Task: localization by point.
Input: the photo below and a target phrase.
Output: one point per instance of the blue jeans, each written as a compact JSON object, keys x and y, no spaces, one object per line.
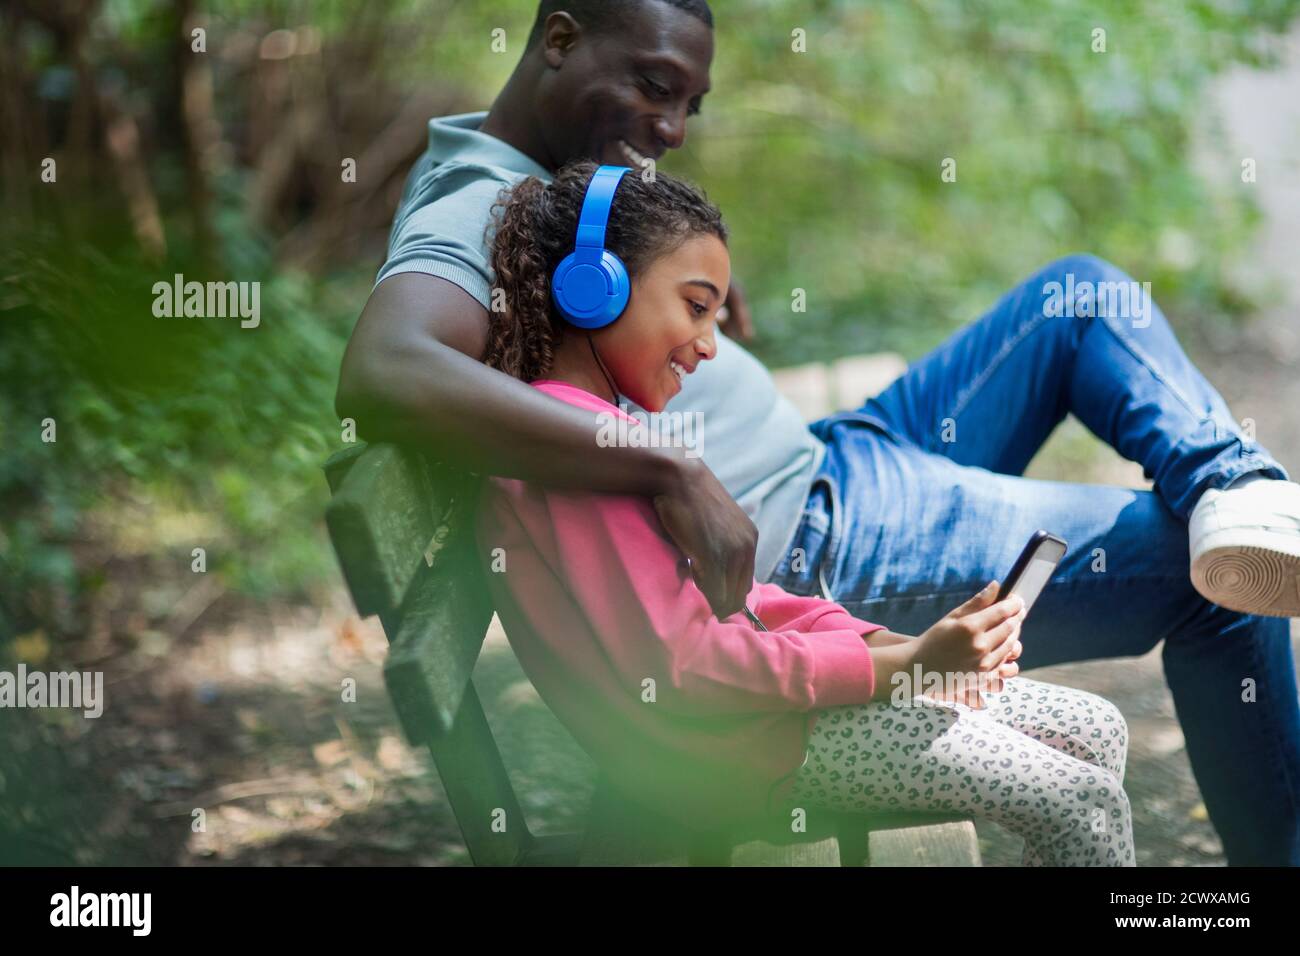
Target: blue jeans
{"x":919,"y":504}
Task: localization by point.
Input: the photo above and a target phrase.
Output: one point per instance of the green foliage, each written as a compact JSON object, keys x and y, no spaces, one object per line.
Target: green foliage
{"x":196,"y":416}
{"x":827,"y":163}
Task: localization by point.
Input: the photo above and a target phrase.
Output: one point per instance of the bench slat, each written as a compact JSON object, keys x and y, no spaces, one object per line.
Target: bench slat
{"x":944,"y":844}
{"x":478,"y":788}
{"x":403,"y":530}
{"x":381,"y":519}
{"x":825,"y":852}
{"x":437,"y":639}
{"x":340,"y":463}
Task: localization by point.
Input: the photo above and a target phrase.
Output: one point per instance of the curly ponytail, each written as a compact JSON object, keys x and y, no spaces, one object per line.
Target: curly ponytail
{"x":534,"y":229}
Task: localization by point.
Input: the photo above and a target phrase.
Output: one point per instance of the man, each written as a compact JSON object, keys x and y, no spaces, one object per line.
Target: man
{"x":900,"y":509}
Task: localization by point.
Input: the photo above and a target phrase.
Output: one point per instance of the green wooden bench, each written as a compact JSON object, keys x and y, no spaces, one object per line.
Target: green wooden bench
{"x":402,"y":528}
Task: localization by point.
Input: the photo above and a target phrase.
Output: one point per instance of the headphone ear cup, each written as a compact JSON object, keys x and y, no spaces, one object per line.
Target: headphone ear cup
{"x":591,"y":295}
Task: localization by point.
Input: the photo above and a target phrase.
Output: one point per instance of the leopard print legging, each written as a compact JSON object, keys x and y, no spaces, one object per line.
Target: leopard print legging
{"x":1042,"y":760}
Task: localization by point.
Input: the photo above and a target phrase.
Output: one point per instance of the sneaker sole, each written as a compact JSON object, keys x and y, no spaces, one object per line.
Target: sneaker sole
{"x":1251,"y":580}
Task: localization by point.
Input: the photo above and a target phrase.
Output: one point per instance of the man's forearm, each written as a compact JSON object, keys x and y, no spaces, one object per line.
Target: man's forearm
{"x":461,"y":410}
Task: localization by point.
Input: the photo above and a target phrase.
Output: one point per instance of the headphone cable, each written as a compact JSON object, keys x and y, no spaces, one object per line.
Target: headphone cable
{"x":608,"y":379}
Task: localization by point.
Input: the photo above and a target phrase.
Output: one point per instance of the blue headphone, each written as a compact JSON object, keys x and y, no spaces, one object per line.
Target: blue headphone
{"x":591,"y":285}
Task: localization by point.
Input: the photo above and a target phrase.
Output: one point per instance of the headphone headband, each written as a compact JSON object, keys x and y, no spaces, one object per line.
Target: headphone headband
{"x":596,"y":206}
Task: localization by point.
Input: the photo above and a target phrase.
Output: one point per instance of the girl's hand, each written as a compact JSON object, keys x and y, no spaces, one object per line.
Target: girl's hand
{"x":972,"y":697}
{"x":980,"y":639}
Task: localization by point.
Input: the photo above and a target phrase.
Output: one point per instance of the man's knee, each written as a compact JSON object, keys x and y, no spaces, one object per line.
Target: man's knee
{"x":1085,"y":267}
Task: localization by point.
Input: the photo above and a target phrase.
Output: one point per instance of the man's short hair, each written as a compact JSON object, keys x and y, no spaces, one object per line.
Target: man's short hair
{"x":602,"y":15}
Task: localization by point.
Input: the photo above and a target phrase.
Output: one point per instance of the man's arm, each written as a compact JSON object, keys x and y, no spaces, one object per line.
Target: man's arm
{"x":413,"y":373}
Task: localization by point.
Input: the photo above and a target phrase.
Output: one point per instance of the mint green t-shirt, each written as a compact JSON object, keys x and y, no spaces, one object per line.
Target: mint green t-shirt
{"x":750,"y":436}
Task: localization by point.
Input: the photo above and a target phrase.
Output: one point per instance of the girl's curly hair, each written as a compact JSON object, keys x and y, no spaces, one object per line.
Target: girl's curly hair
{"x":535,"y":227}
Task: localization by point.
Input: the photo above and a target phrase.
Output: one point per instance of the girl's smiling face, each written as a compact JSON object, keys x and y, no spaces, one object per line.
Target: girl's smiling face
{"x":668,"y":326}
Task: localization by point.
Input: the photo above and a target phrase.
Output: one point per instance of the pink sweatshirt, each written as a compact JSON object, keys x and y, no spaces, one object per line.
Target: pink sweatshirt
{"x":707,"y":719}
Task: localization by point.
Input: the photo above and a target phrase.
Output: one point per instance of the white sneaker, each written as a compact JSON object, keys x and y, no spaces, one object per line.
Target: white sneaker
{"x":1245,"y":543}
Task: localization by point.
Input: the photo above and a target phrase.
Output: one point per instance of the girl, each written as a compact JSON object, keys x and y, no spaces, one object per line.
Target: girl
{"x":714,"y":721}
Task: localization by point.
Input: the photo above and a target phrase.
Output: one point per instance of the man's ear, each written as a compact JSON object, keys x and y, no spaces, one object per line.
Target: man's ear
{"x":559,"y":36}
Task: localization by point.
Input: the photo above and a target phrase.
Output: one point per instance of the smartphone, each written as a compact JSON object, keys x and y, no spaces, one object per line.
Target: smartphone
{"x":1033,"y":569}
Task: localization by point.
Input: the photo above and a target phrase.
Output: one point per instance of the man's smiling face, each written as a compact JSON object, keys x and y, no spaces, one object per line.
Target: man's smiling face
{"x":620,"y":97}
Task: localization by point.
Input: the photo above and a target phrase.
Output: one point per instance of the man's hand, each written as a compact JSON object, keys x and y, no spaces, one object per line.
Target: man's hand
{"x":714,"y":532}
{"x":737,"y":321}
